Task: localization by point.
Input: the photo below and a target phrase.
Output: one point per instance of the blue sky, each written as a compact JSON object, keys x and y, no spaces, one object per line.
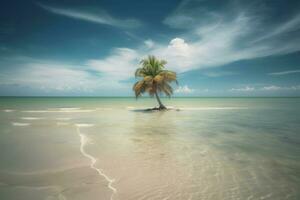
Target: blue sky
{"x":92,"y":48}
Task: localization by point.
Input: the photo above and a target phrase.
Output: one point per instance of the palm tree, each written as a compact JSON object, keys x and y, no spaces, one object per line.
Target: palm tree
{"x":154,"y":79}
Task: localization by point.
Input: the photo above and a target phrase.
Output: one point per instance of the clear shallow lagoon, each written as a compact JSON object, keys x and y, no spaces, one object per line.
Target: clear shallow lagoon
{"x":106,"y":148}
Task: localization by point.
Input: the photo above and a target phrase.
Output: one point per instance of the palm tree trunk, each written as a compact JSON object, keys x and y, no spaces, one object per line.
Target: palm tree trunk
{"x":161,"y":106}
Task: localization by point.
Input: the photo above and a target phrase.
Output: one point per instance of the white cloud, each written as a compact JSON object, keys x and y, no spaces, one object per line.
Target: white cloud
{"x":48,"y":77}
{"x":243,"y":89}
{"x":285,"y":27}
{"x":184,"y":90}
{"x":213,"y":42}
{"x":206,"y":42}
{"x":267,"y":88}
{"x":296,"y":87}
{"x":119,"y":65}
{"x":215,"y":74}
{"x":99,"y":17}
{"x":178,"y":53}
{"x":179,"y":46}
{"x":224,"y":37}
{"x":284,"y":72}
{"x":276,"y":88}
{"x":61,"y":78}
{"x":218,"y":44}
{"x":271,"y":88}
{"x":95,"y":76}
{"x":149,"y":43}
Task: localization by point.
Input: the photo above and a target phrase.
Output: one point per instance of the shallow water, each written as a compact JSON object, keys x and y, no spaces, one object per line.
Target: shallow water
{"x":107,"y":148}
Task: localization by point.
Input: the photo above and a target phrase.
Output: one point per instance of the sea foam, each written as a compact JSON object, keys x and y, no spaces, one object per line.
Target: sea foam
{"x":31,"y":118}
{"x":84,"y":125}
{"x":83,"y":141}
{"x":20,"y":124}
{"x":69,"y":108}
{"x":8,"y":110}
{"x":58,"y":111}
{"x":212,"y":108}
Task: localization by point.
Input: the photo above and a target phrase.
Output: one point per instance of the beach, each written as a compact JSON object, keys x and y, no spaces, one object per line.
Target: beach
{"x":109,"y":148}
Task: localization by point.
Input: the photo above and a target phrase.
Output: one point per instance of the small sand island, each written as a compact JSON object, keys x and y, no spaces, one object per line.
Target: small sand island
{"x":154,"y":79}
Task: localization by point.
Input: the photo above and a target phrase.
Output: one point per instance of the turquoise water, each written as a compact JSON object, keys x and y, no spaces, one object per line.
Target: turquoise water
{"x":108,"y":148}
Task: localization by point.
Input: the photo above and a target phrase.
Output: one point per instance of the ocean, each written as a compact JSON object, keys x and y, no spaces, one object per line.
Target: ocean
{"x":109,"y":148}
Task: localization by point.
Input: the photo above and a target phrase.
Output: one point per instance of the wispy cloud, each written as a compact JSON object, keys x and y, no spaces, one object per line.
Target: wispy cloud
{"x":286,"y":27}
{"x":243,"y":89}
{"x":57,"y":77}
{"x":276,"y":88}
{"x":219,"y":43}
{"x":267,"y":88}
{"x":215,"y":38}
{"x":119,"y":65}
{"x":99,"y":17}
{"x":149,"y":43}
{"x":271,"y":88}
{"x":284,"y":72}
{"x":215,"y":74}
{"x":208,"y":38}
{"x":60,"y":78}
{"x":184,"y":90}
{"x":221,"y":38}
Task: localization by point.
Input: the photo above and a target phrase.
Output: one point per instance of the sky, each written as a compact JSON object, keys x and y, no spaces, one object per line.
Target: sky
{"x":92,"y":48}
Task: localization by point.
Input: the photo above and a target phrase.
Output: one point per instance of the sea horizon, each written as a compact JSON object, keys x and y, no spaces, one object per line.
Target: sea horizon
{"x":142,"y":97}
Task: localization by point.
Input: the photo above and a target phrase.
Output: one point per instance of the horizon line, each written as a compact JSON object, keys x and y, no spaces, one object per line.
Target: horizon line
{"x":44,"y":96}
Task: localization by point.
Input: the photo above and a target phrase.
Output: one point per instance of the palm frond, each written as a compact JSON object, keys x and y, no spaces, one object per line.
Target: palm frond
{"x":139,"y":72}
{"x":148,"y":79}
{"x":154,"y":77}
{"x":167,"y":89}
{"x":169,"y":75}
{"x":158,"y":79}
{"x":139,"y":88}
